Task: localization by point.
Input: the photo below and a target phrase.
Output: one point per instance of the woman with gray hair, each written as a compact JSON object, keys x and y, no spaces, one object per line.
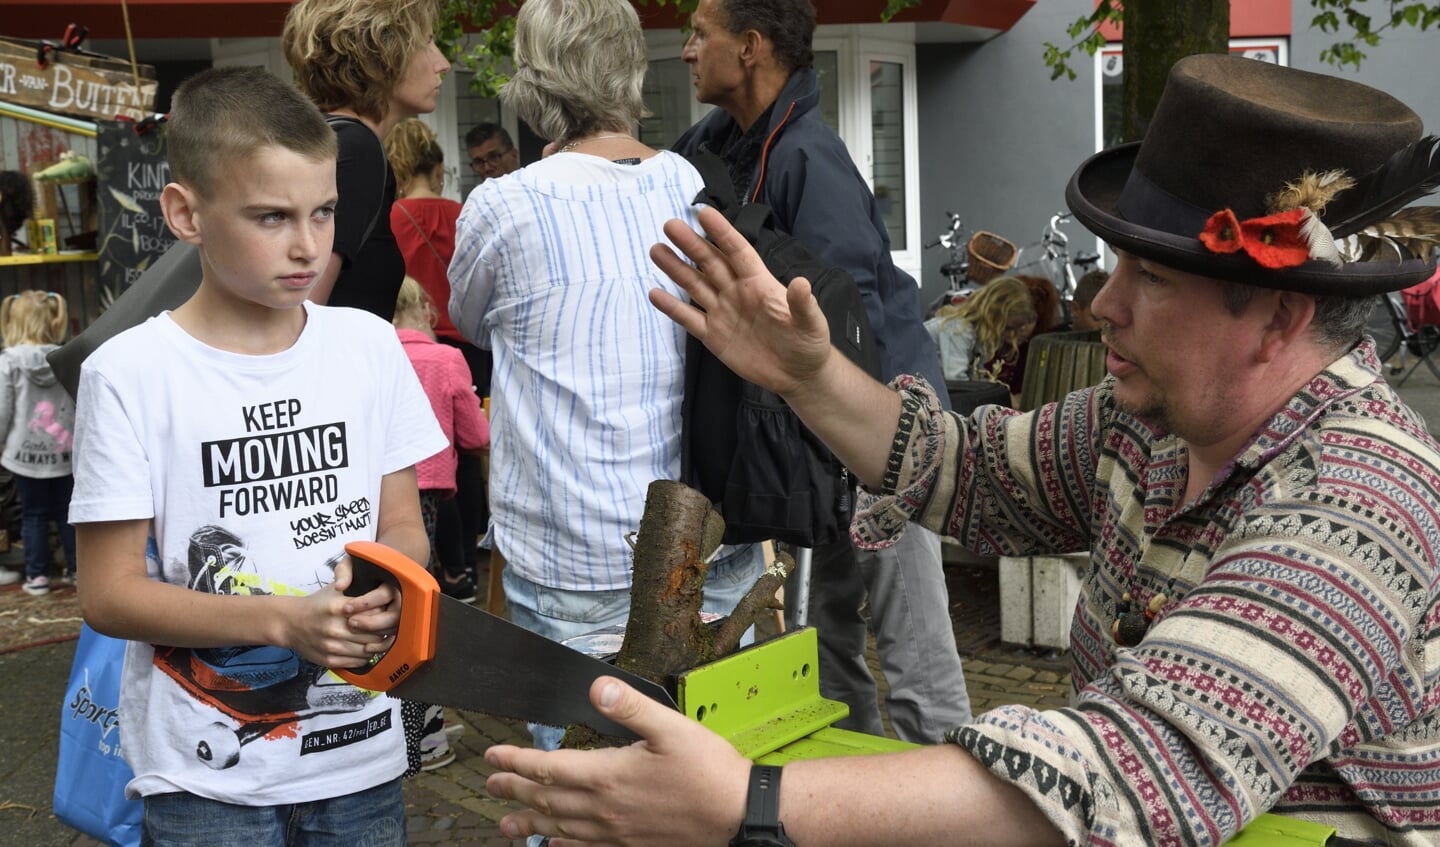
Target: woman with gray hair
{"x":551,"y":272}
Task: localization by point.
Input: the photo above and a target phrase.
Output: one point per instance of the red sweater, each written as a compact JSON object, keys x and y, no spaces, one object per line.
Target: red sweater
{"x":429,"y":262}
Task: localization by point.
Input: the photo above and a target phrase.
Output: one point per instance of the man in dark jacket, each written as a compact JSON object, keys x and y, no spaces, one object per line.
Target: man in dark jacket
{"x":753,"y":59}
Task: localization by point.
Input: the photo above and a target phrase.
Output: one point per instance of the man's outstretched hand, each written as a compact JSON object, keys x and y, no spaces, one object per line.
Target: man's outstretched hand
{"x":771,"y":335}
{"x":681,"y":784}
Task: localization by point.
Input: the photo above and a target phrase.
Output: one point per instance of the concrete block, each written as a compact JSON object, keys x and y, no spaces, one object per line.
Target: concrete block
{"x":1016,"y":610}
{"x":1054,"y":590}
{"x":1037,"y":598}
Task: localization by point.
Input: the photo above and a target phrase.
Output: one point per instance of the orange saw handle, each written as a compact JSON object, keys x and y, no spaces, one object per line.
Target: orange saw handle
{"x":374,"y":564}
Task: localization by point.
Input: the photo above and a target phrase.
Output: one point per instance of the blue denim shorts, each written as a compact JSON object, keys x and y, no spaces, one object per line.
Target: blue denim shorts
{"x":374,"y":817}
{"x":558,"y":614}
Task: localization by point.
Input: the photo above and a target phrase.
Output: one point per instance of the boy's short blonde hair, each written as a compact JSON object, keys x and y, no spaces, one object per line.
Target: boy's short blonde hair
{"x":224,"y":115}
{"x":350,"y":54}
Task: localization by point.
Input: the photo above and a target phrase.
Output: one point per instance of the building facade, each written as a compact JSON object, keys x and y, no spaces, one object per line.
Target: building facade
{"x":950,"y":109}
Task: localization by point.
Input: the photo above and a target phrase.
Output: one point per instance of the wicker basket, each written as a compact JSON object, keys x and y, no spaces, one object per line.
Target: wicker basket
{"x":990,"y":256}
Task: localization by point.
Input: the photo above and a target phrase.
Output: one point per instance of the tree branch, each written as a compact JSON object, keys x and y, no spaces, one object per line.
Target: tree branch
{"x":760,"y":599}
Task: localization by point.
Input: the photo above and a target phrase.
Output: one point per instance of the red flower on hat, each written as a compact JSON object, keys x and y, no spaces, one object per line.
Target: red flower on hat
{"x":1222,"y":232}
{"x":1273,"y":241}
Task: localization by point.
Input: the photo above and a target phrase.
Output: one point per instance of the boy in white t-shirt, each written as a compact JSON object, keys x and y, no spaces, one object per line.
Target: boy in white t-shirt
{"x":224,"y":454}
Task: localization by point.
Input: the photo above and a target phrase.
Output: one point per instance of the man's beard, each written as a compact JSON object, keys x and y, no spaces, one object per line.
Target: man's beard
{"x":1152,"y":410}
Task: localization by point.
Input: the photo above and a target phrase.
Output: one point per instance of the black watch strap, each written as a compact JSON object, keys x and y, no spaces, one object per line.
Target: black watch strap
{"x":762,"y":827}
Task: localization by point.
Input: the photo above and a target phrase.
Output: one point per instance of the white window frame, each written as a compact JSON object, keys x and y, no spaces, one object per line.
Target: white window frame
{"x":856,"y":47}
{"x":907,"y":255}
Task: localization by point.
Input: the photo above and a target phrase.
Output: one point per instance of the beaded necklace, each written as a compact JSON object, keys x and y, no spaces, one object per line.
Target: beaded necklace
{"x":577,"y":142}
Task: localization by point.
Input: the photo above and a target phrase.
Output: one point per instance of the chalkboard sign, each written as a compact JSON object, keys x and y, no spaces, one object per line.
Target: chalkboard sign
{"x":131,"y":172}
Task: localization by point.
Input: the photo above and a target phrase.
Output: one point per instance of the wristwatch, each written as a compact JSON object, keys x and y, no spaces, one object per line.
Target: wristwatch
{"x":762,"y":827}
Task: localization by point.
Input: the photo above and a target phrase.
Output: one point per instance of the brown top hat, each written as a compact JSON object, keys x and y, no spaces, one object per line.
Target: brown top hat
{"x":1230,"y":133}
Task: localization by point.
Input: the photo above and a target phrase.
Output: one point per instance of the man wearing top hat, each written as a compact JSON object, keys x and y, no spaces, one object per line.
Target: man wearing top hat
{"x":1259,"y":630}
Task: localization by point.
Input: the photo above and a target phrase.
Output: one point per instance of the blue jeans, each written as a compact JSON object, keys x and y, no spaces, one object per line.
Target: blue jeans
{"x":374,"y":817}
{"x":41,"y":501}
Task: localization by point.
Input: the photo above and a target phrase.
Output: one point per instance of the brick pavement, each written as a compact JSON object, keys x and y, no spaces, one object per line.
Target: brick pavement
{"x":450,"y":806}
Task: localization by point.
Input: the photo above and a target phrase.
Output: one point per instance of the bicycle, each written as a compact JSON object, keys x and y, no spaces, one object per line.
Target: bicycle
{"x":957,"y":270}
{"x":1051,"y":256}
{"x":1395,"y":336}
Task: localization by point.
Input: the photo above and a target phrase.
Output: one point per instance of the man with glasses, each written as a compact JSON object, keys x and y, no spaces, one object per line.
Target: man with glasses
{"x":492,"y":153}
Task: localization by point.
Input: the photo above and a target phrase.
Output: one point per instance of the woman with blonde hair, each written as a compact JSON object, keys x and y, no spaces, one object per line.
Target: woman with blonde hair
{"x":980,"y":337}
{"x":422,"y":221}
{"x":370,"y":63}
{"x":551,"y":273}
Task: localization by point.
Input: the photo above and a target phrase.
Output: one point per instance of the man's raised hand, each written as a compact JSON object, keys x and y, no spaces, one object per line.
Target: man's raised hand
{"x":773,"y":336}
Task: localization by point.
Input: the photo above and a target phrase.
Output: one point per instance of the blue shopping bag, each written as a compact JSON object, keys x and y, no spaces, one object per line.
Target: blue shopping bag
{"x":91,"y":774}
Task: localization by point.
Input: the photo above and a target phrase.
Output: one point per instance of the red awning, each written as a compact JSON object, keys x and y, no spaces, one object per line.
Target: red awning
{"x":1248,"y":19}
{"x":47,"y":19}
{"x":36,"y":19}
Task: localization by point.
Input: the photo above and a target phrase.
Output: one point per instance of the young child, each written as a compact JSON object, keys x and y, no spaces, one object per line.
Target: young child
{"x":446,"y":380}
{"x":37,"y":417}
{"x":225,"y":453}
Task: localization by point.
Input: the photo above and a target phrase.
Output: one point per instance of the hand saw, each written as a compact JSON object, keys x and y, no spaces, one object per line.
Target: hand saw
{"x":450,"y":653}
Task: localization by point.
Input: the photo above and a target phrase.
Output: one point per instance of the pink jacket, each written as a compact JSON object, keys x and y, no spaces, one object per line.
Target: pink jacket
{"x":446,"y":379}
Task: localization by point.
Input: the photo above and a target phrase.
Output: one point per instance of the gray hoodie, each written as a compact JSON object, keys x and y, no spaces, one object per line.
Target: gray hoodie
{"x":36,"y":414}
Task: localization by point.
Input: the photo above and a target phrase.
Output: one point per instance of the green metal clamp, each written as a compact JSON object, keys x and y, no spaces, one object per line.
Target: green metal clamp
{"x":766,"y":701}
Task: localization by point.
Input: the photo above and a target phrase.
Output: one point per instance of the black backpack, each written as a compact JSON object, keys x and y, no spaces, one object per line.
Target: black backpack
{"x":740,"y":445}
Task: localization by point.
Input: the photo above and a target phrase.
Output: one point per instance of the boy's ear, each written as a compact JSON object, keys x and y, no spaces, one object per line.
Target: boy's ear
{"x":182,"y":213}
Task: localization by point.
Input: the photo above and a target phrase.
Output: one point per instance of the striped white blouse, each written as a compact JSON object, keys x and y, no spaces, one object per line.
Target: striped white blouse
{"x":551,"y":272}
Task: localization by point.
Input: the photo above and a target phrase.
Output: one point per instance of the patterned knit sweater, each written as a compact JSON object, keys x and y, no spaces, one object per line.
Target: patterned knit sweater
{"x":1296,"y":667}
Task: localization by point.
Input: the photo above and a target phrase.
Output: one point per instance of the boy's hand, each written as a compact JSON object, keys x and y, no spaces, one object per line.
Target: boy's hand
{"x":376,"y":611}
{"x":337,"y":631}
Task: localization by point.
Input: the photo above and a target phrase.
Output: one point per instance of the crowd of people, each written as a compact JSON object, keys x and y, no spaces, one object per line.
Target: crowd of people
{"x":1259,"y":629}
